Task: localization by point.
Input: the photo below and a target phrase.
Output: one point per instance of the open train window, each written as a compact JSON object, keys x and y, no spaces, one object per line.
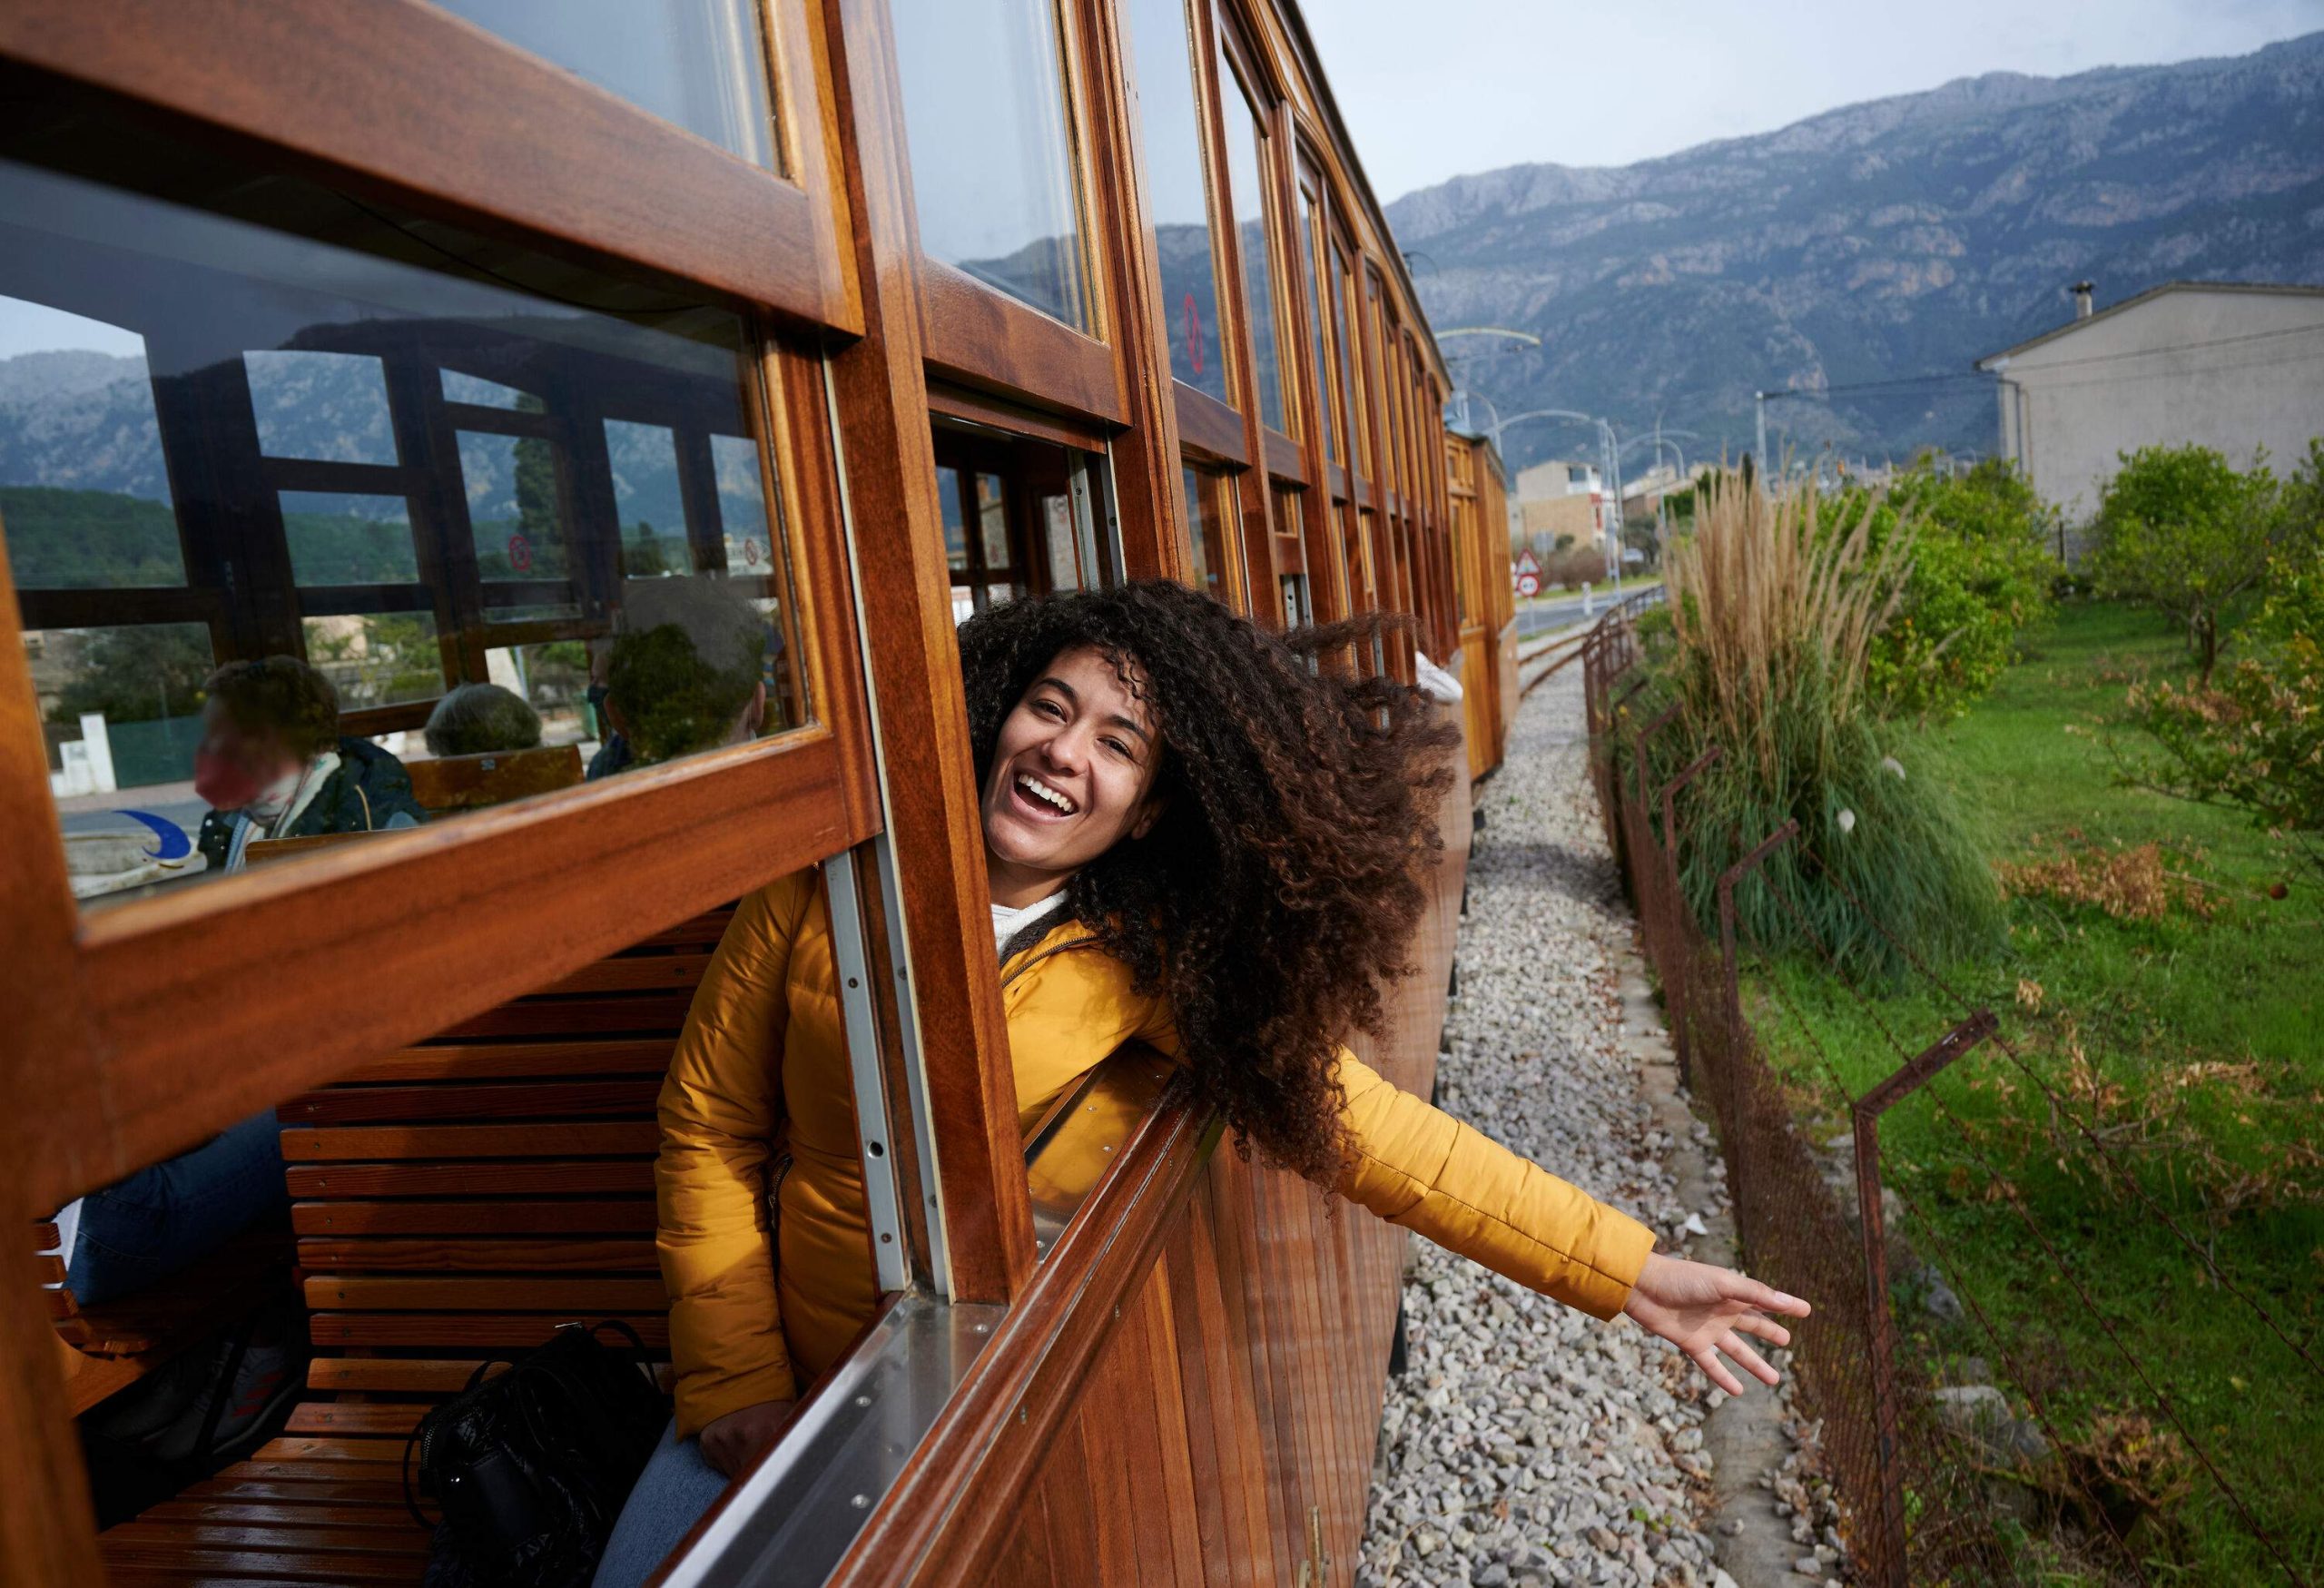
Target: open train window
{"x":1021,"y":516}
{"x":337,"y":523}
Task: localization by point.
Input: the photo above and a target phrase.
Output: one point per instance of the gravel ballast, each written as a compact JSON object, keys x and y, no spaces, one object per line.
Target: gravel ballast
{"x":1526,"y":1443}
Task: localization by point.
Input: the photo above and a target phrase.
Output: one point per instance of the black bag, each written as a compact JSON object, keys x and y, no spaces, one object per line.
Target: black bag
{"x":530,"y":1468}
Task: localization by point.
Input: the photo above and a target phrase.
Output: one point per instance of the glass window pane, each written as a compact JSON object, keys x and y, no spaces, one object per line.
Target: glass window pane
{"x":742,"y":505}
{"x":1310,"y":240}
{"x":482,"y":393}
{"x":340,"y":539}
{"x":1344,"y":307}
{"x":993,"y":165}
{"x":517,"y":526}
{"x":993,"y":520}
{"x":1064,"y":544}
{"x":331,"y":407}
{"x":956,"y":530}
{"x":85,"y":494}
{"x":1170,"y":112}
{"x":647,"y":499}
{"x":1246,"y":137}
{"x":701,"y":63}
{"x":1210,"y":510}
{"x":326,"y":626}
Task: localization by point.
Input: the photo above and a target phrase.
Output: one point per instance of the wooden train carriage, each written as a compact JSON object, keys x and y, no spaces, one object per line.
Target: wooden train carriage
{"x":1487,"y":599}
{"x":445,"y":344}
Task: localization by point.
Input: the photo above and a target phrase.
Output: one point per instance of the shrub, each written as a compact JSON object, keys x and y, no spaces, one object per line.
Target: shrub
{"x":1981,"y":572}
{"x":1776,"y":605}
{"x":2256,"y":742}
{"x":2183,"y":531}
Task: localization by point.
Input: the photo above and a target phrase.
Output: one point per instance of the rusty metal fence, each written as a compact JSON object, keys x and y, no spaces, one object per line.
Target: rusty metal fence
{"x":1917,"y":1507}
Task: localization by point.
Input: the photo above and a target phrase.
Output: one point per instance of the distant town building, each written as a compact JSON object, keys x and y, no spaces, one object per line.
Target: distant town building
{"x":1557,"y":498}
{"x":2237,"y":366}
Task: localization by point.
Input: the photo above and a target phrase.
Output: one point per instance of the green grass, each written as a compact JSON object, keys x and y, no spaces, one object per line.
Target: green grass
{"x":2194,"y":1043}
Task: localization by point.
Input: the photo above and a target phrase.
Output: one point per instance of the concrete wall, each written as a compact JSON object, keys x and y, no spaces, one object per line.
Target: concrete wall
{"x":2232,"y":370}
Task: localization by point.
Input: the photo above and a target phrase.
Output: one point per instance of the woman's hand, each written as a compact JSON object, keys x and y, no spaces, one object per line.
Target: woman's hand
{"x":732,"y":1443}
{"x":1704,"y":1311}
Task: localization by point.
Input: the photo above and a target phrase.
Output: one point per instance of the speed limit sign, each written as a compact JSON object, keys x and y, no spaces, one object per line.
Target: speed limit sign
{"x":1529,"y":585}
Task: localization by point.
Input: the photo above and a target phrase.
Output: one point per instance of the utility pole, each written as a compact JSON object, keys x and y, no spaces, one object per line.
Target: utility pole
{"x":1759,"y":453}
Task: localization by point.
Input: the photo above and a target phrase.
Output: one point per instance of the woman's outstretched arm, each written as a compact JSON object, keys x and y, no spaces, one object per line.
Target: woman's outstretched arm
{"x":1419,"y":1167}
{"x":720,"y":1108}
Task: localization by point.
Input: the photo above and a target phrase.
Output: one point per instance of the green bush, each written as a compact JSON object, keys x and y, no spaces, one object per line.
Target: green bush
{"x":1981,"y":572}
{"x":2183,"y":531}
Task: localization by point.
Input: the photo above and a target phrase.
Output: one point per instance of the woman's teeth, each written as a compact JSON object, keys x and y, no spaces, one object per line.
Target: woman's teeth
{"x":1044,"y":794}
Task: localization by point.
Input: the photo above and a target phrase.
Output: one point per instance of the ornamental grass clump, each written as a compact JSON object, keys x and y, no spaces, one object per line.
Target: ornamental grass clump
{"x":1774,"y":605}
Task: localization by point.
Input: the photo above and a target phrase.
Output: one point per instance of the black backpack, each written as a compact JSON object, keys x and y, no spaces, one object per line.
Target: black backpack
{"x":530,"y":1468}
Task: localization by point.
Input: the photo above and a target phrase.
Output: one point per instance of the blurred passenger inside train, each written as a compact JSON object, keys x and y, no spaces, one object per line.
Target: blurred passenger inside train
{"x":1193,"y":841}
{"x":481,"y":719}
{"x":272,"y":763}
{"x":684,"y":672}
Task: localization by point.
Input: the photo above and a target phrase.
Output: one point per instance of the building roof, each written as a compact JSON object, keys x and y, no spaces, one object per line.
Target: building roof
{"x":2070,"y":327}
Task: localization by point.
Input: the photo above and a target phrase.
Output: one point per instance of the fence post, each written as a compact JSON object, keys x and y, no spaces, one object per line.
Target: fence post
{"x":1637,"y":752}
{"x":1865,"y":1121}
{"x":1692,"y":770}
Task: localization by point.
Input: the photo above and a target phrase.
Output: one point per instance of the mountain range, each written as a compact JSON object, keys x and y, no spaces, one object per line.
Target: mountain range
{"x":1881,"y":242}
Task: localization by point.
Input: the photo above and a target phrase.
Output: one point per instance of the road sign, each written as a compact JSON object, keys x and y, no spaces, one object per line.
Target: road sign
{"x":1529,"y":584}
{"x":1526,"y":565}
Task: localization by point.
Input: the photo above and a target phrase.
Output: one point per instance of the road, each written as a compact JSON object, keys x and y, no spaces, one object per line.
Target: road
{"x":1557,"y":613}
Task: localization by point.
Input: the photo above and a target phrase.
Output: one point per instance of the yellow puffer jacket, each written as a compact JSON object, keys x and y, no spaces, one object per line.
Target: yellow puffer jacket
{"x":763,"y":1057}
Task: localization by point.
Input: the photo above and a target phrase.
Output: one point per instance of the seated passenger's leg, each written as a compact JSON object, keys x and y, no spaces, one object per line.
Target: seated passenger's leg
{"x":672,"y":1493}
{"x":176,"y":1212}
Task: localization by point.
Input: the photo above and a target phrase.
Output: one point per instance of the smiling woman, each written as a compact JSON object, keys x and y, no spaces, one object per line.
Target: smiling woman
{"x":1229,"y":847}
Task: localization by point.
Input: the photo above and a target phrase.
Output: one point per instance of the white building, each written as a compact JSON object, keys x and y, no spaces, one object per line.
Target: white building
{"x":1562,"y":497}
{"x":2230,"y":366}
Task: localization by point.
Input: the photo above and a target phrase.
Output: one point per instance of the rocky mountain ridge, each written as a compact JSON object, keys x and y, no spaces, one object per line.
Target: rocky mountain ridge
{"x":1897,"y":237}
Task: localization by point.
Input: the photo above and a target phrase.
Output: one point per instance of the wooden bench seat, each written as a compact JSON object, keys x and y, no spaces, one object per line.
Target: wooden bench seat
{"x":107,"y":1347}
{"x":451,"y":1202}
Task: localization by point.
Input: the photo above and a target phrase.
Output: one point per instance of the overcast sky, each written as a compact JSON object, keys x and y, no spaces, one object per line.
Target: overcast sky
{"x":1447,"y":87}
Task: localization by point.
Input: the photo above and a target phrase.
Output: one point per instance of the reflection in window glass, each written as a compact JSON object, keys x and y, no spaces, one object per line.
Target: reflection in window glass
{"x":1343,"y":306}
{"x":992,"y":166}
{"x":377,"y":658}
{"x":1064,"y":552}
{"x":647,"y":499}
{"x":1169,"y":110}
{"x":742,"y":505}
{"x":339,"y":538}
{"x":517,"y":523}
{"x":1310,"y":240}
{"x":701,"y":63}
{"x":399,"y":570}
{"x":329,"y":406}
{"x":1247,"y":190}
{"x":482,"y":393}
{"x":1298,"y":606}
{"x":85,"y":494}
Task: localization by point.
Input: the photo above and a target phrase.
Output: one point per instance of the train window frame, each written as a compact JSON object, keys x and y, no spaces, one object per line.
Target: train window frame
{"x":136,"y":987}
{"x":316,"y":80}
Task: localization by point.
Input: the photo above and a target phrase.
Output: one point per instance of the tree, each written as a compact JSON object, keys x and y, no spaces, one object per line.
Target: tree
{"x":137,"y":674}
{"x":2183,"y":531}
{"x":2255,"y":743}
{"x":1981,"y":574}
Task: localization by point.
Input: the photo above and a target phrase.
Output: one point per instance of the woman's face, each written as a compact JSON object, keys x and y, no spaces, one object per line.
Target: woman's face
{"x":1071,"y":775}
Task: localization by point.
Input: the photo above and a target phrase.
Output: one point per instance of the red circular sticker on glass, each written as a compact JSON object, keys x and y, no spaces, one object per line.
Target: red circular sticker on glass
{"x":750,"y":552}
{"x":520,"y":553}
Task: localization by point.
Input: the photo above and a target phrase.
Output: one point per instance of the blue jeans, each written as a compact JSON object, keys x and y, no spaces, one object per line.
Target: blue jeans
{"x":674,"y":1492}
{"x":175,"y":1213}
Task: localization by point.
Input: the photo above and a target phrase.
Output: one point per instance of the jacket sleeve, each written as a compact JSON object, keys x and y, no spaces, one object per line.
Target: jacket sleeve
{"x":1419,"y":1167}
{"x":720,"y":1108}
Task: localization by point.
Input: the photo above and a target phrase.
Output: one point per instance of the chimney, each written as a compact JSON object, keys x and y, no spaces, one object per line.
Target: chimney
{"x":2081,"y":292}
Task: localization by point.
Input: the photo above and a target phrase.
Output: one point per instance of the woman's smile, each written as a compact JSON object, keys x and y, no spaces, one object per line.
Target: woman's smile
{"x":1042,"y":800}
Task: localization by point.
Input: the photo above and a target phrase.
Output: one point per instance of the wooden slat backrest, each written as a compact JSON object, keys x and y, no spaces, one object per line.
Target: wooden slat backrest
{"x":460,"y":1199}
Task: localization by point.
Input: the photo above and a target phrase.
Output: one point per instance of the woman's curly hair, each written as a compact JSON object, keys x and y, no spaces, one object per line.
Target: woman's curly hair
{"x":1276,"y":895}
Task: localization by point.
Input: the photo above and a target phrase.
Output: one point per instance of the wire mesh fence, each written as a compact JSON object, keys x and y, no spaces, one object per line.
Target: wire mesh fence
{"x":1938,"y":1484}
